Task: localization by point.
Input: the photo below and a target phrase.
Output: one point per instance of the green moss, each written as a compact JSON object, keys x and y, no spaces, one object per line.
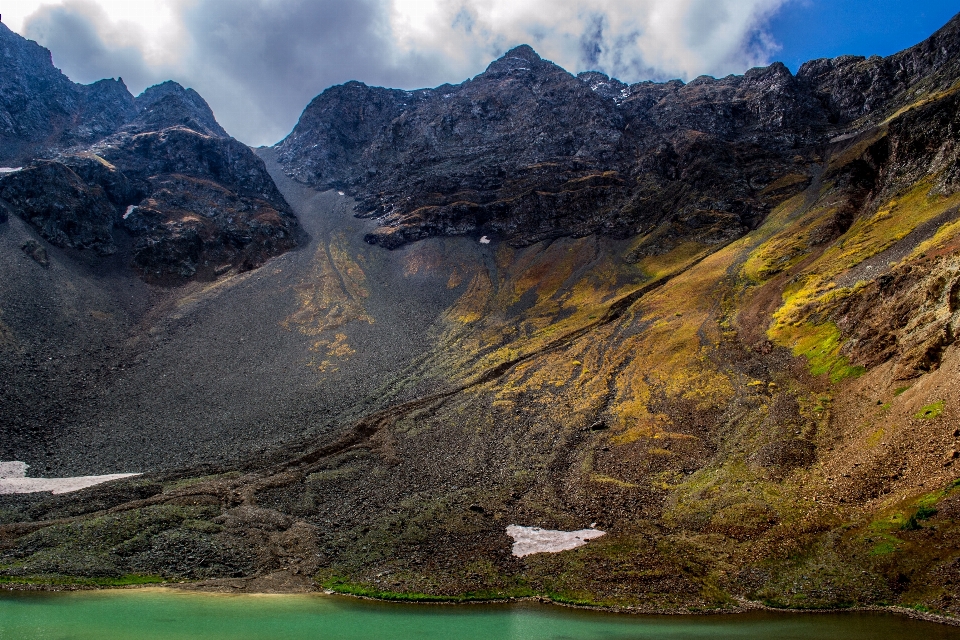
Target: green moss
{"x":820,"y":345}
{"x":931,"y":411}
{"x":58,"y":580}
{"x":185,"y":483}
{"x":575,"y":599}
{"x":885,"y":548}
{"x":345,"y":586}
{"x":900,"y":391}
{"x":922,"y":513}
{"x":202,"y":526}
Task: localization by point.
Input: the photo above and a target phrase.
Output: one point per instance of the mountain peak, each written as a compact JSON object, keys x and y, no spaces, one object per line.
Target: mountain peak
{"x":521,"y":58}
{"x":524,"y":52}
{"x":169,"y":103}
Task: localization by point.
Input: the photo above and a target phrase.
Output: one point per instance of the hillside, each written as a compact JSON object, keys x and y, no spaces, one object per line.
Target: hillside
{"x":716,"y":320}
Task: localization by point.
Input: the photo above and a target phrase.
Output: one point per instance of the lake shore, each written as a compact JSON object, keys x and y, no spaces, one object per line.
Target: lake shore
{"x":289,"y":585}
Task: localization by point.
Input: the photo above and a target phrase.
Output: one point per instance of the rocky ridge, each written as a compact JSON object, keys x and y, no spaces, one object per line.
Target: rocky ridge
{"x":158,"y":167}
{"x":41,"y":110}
{"x":526,"y":151}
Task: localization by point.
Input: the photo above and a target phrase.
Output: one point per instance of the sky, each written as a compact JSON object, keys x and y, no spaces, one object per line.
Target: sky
{"x":259,"y":62}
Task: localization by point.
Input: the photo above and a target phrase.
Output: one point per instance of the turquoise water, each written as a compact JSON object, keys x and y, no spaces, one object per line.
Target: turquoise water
{"x":163,"y":615}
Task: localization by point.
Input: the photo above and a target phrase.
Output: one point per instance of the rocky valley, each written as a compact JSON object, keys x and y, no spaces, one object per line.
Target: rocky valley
{"x":716,"y":321}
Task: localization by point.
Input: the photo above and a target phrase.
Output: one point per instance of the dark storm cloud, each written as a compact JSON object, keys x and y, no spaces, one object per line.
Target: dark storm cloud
{"x":264,"y":60}
{"x":591,"y":42}
{"x":257,"y":62}
{"x":80,"y":50}
{"x":260,"y":62}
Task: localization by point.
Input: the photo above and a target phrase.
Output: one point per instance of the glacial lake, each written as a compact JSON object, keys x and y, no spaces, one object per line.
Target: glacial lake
{"x":161,"y":615}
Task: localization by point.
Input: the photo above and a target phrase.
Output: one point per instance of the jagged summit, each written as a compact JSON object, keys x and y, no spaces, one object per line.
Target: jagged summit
{"x":159,"y":166}
{"x":498,"y":153}
{"x":520,"y":59}
{"x":524,"y":52}
{"x":40,"y":107}
{"x":169,"y":104}
{"x":42,"y":112}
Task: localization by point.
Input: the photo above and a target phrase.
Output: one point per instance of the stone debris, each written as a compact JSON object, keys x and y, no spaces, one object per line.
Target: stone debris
{"x":13,"y":479}
{"x":530,"y":540}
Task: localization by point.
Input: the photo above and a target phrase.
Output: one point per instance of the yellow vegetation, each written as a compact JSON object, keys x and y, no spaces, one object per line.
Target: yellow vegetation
{"x":330,"y":298}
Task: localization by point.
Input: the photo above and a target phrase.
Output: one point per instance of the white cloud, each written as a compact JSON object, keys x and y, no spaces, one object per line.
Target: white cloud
{"x":91,"y":40}
{"x":258,"y":62}
{"x":153,"y":26}
{"x":632,"y":40}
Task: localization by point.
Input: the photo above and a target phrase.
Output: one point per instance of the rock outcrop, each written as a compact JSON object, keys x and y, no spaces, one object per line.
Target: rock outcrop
{"x":526,"y":151}
{"x":158,"y":166}
{"x":42,"y":111}
{"x":67,"y":211}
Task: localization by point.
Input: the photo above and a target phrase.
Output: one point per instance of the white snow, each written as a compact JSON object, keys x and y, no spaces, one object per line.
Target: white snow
{"x":484,"y":240}
{"x":13,"y":469}
{"x":13,"y":479}
{"x":9,"y":170}
{"x":339,"y":193}
{"x":130,"y":210}
{"x":530,"y":540}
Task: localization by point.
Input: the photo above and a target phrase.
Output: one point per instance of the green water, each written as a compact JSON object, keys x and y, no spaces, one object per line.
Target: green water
{"x":162,"y":615}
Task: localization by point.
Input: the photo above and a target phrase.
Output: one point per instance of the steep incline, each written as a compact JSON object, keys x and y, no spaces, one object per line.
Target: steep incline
{"x":754,"y":391}
{"x":158,"y":190}
{"x":41,"y":110}
{"x":525,"y":151}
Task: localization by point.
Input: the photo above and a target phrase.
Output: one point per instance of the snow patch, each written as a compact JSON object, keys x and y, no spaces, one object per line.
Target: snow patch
{"x":4,"y":170}
{"x":530,"y":540}
{"x":13,"y":470}
{"x":339,"y":193}
{"x":484,"y":240}
{"x":130,"y":210}
{"x":13,"y":479}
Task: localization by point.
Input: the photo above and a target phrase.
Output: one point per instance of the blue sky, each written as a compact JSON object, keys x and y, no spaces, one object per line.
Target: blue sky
{"x":808,"y":29}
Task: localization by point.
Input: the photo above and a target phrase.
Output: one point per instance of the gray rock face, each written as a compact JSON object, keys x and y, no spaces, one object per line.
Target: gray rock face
{"x":526,"y":151}
{"x":66,"y":211}
{"x":851,"y":87}
{"x":158,"y":166}
{"x":41,"y":109}
{"x":170,"y":105}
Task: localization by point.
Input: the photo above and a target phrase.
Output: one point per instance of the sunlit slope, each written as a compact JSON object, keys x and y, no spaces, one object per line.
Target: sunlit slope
{"x":717,"y":409}
{"x":774,"y":418}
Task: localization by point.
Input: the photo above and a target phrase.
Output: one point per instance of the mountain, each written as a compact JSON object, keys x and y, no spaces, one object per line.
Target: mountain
{"x":716,"y":320}
{"x":41,"y":109}
{"x":159,"y":167}
{"x":527,"y":152}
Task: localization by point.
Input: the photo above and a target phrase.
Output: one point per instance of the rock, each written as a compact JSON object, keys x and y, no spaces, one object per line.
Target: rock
{"x":170,"y":105}
{"x":36,"y":251}
{"x":189,"y":225}
{"x":531,"y":152}
{"x":209,"y":202}
{"x":204,"y":201}
{"x":42,"y":110}
{"x":65,"y":210}
{"x":851,"y":87}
